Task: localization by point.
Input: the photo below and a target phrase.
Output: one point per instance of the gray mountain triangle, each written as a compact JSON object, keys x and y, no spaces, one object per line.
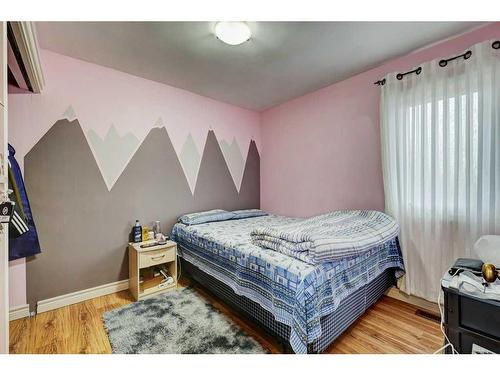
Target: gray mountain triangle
{"x":70,"y":205}
{"x":153,"y":185}
{"x":215,"y":187}
{"x":250,"y":184}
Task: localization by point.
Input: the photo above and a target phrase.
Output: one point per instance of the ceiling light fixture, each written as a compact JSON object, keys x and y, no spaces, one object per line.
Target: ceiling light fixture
{"x":232,"y":33}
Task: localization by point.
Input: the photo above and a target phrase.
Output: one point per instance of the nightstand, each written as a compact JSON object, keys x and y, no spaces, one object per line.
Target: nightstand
{"x":145,"y":262}
{"x":471,"y":323}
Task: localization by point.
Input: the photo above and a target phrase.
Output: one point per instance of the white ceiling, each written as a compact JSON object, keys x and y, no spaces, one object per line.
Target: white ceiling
{"x":283,"y":60}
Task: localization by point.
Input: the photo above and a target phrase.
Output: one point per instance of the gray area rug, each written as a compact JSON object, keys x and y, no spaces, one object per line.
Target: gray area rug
{"x":179,"y":322}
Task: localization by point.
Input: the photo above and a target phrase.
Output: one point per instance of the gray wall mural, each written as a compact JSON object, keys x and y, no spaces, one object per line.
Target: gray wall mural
{"x":84,"y":228}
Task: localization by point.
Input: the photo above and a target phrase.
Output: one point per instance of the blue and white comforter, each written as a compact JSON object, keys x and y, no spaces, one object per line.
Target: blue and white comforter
{"x":297,"y":293}
{"x":327,"y":237}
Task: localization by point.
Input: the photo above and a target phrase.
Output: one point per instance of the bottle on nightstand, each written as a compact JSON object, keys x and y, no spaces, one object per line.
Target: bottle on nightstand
{"x":137,"y":232}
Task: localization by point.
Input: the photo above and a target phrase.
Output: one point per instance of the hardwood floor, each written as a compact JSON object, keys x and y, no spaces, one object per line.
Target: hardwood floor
{"x":390,"y":326}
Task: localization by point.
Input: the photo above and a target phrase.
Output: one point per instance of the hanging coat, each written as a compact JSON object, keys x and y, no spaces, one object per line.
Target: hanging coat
{"x":18,"y":222}
{"x":26,"y":244}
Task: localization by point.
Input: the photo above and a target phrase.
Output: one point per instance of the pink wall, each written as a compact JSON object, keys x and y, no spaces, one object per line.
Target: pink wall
{"x":103,"y":97}
{"x":321,"y":152}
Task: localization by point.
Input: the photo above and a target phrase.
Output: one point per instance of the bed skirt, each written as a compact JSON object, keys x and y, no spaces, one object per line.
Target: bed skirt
{"x":332,"y":325}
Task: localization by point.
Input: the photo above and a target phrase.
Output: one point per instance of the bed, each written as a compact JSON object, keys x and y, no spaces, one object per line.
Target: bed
{"x":306,"y":306}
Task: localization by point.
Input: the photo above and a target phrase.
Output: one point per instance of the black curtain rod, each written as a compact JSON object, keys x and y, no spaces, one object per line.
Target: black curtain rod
{"x":417,"y":71}
{"x":399,"y":76}
{"x":466,"y":56}
{"x":442,"y":63}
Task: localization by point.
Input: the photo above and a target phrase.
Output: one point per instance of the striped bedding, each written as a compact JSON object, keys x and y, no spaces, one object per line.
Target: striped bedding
{"x":328,"y":237}
{"x":297,"y":293}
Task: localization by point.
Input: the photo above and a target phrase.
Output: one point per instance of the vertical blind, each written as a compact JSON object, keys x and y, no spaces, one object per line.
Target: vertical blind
{"x":441,"y":162}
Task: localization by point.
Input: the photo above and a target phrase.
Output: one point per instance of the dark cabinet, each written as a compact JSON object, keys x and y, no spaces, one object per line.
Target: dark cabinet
{"x":471,"y":322}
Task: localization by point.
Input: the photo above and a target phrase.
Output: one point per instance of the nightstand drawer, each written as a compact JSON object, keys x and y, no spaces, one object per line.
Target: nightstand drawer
{"x":155,"y":257}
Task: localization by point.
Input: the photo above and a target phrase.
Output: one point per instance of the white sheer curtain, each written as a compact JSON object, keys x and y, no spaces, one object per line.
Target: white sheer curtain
{"x":441,"y":162}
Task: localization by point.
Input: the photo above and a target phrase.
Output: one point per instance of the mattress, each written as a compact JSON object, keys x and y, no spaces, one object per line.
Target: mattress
{"x":332,"y":326}
{"x":297,"y":294}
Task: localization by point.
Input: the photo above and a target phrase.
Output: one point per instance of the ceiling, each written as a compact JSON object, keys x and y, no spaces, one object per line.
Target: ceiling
{"x":283,"y":60}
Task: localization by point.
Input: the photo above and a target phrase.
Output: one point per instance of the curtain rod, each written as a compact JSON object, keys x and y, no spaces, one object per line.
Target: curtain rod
{"x":417,"y":71}
{"x":466,"y":56}
{"x":442,"y":63}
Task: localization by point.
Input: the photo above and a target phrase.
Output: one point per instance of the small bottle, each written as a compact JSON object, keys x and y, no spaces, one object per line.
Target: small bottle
{"x":145,"y":233}
{"x":156,"y":227}
{"x":137,"y":232}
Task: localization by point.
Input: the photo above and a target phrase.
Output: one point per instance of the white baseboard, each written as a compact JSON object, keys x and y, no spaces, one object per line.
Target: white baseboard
{"x":80,"y":296}
{"x":412,"y":300}
{"x":19,"y":312}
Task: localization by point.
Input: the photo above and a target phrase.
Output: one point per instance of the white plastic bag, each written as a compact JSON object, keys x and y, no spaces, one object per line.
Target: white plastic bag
{"x":487,"y":248}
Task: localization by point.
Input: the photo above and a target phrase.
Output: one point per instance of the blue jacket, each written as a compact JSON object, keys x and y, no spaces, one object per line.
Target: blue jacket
{"x":27,"y":244}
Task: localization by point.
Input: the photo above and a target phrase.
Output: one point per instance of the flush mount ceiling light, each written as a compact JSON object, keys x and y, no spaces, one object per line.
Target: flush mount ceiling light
{"x":232,"y":33}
